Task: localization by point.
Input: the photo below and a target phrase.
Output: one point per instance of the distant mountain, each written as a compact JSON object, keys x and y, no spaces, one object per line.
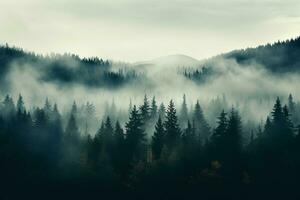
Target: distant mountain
{"x":177,"y":60}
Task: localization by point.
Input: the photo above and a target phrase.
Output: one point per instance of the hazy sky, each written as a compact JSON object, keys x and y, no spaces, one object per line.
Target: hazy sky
{"x":133,"y":30}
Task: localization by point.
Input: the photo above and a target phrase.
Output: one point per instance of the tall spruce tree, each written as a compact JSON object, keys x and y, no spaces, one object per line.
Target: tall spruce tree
{"x":201,"y":125}
{"x":162,"y":112}
{"x":135,"y":136}
{"x":173,"y":131}
{"x":218,"y":139}
{"x":183,"y":115}
{"x":72,"y":130}
{"x":153,"y":113}
{"x":158,"y":139}
{"x":20,"y":104}
{"x":145,"y":110}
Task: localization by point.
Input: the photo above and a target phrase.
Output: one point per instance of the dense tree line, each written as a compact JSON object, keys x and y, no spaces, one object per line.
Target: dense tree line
{"x":277,"y":58}
{"x":184,"y":157}
{"x":66,"y":68}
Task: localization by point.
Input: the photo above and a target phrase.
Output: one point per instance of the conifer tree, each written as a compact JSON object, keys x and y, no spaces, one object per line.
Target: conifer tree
{"x":162,"y":112}
{"x":291,"y":104}
{"x":201,"y":125}
{"x":183,"y":117}
{"x":74,"y":110}
{"x":20,"y":104}
{"x":153,"y":109}
{"x":158,"y":139}
{"x":135,"y":136}
{"x":47,"y":107}
{"x":145,"y":110}
{"x":218,"y":139}
{"x":119,"y":135}
{"x":72,"y":130}
{"x":234,"y":132}
{"x":172,"y":129}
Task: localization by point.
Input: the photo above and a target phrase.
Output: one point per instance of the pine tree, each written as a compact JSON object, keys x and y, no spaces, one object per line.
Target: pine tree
{"x":234,"y":132}
{"x":72,"y":130}
{"x":183,"y":117}
{"x":288,"y":124}
{"x":173,"y":132}
{"x":268,"y":127}
{"x":291,"y":104}
{"x":162,"y":112}
{"x":74,"y":110}
{"x":189,"y":140}
{"x":201,"y":125}
{"x":158,"y":139}
{"x":47,"y":107}
{"x":20,"y":104}
{"x":153,"y":109}
{"x":145,"y":110}
{"x":218,"y":139}
{"x":119,"y":135}
{"x":9,"y":108}
{"x":135,"y":136}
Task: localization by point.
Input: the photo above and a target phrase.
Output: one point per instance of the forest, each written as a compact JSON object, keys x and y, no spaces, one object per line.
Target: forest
{"x":227,"y":127}
{"x":156,"y":151}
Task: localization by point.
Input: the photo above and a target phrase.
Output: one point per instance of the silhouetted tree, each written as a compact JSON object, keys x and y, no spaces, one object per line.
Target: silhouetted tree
{"x":183,"y":116}
{"x":172,"y":129}
{"x":201,"y":125}
{"x":135,"y":136}
{"x":158,"y":139}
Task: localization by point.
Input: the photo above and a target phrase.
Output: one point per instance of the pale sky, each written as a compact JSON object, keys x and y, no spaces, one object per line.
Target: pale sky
{"x":134,"y":30}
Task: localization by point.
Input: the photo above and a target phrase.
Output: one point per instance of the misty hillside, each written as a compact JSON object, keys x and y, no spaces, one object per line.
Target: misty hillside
{"x":282,"y":56}
{"x":63,"y":69}
{"x":177,"y":60}
{"x":275,"y":59}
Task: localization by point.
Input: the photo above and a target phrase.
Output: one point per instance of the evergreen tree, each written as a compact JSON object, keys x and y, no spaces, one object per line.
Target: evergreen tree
{"x":119,"y":135}
{"x":135,"y":136}
{"x":183,"y":117}
{"x":291,"y":104}
{"x":218,"y":139}
{"x":189,"y":140}
{"x":47,"y":107}
{"x":158,"y":139}
{"x":288,"y":124}
{"x":173,"y":132}
{"x":234,"y":133}
{"x":9,"y":108}
{"x":268,"y":127}
{"x":201,"y":125}
{"x":145,"y":110}
{"x":162,"y":112}
{"x":20,"y":104}
{"x":72,"y":130}
{"x":74,"y":110}
{"x":153,"y":109}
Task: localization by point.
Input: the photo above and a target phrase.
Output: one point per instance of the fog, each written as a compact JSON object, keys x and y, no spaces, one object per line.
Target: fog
{"x":249,"y":88}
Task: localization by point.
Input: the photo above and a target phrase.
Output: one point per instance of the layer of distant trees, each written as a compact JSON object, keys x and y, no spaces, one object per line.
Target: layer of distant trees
{"x":184,"y":157}
{"x":277,"y":58}
{"x":66,"y":68}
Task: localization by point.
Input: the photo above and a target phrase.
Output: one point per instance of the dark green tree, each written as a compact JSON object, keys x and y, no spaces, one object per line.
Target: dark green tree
{"x":183,"y":116}
{"x":135,"y":136}
{"x":20,"y":104}
{"x":172,"y":129}
{"x":153,"y":109}
{"x":162,"y":112}
{"x":201,"y":125}
{"x":158,"y":139}
{"x":145,"y":111}
{"x":72,"y":130}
